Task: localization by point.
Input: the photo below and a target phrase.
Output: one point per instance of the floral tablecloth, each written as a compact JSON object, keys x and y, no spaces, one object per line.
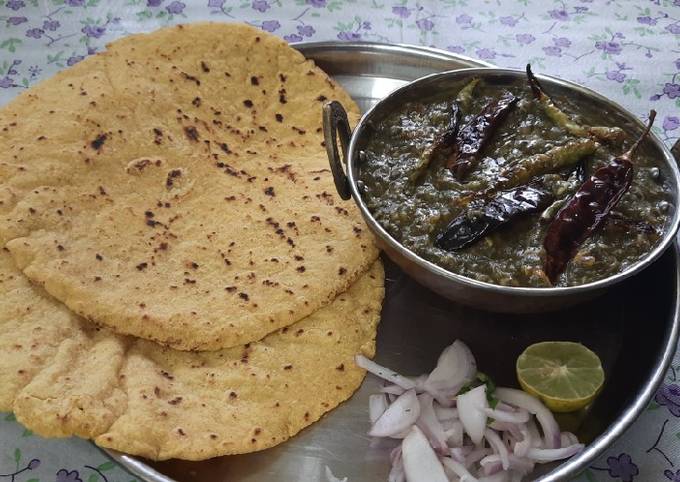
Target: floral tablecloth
{"x":628,"y":50}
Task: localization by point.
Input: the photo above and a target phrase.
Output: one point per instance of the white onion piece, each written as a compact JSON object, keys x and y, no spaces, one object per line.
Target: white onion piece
{"x":392,"y":389}
{"x":550,"y":455}
{"x":498,"y":447}
{"x":332,"y":478}
{"x":419,"y":382}
{"x":521,"y":448}
{"x":384,"y":373}
{"x":397,"y":471}
{"x":511,"y":428}
{"x":428,"y":423}
{"x":398,"y":417}
{"x":493,"y":464}
{"x":459,"y":453}
{"x":455,"y":367}
{"x":420,"y":461}
{"x":568,"y":438}
{"x":458,"y":469}
{"x":476,"y":455}
{"x":377,"y":404}
{"x":454,"y":435}
{"x":536,"y":440}
{"x":471,"y":407}
{"x":545,"y":417}
{"x":518,"y":416}
{"x":445,"y":413}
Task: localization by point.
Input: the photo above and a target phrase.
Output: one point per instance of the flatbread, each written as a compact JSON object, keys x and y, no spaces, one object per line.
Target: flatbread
{"x":175,"y":188}
{"x":140,"y":398}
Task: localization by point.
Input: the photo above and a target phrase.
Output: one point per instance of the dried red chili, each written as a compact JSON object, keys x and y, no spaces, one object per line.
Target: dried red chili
{"x":588,"y":210}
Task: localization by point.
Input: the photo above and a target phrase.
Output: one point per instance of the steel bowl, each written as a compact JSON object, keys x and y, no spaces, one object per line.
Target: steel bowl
{"x":460,"y":288}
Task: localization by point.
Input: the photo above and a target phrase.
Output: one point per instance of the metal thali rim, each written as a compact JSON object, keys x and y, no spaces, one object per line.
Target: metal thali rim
{"x":137,"y":467}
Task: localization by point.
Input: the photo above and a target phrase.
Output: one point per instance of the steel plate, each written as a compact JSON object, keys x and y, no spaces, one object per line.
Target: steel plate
{"x":639,"y":317}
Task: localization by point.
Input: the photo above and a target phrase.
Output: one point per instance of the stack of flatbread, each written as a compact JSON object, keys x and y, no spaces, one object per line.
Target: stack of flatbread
{"x":178,"y":278}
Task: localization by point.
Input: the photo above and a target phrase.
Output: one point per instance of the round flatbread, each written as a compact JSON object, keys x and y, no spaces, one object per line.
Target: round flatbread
{"x":62,"y":376}
{"x":175,"y":187}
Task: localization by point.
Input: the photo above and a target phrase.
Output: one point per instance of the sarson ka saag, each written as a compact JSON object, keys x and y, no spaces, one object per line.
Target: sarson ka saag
{"x":488,"y":182}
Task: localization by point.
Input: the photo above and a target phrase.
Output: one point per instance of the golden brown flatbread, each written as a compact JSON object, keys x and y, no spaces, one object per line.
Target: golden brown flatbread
{"x":62,"y":376}
{"x":175,"y":188}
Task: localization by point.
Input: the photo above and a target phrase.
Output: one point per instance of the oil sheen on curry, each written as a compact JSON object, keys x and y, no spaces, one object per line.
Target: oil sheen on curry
{"x":504,"y":185}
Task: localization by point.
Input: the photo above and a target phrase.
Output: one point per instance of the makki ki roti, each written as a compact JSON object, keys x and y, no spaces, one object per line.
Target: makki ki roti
{"x":175,"y":187}
{"x":63,"y":376}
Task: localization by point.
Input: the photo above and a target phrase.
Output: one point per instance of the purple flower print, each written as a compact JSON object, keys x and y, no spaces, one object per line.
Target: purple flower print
{"x":509,"y":21}
{"x":524,"y":38}
{"x":677,"y":64}
{"x":16,"y":20}
{"x":51,"y":25}
{"x":670,"y":476}
{"x":349,"y":36}
{"x":73,"y":60}
{"x":486,"y":54}
{"x":15,"y":4}
{"x":622,"y":467}
{"x":33,"y":464}
{"x":580,"y":9}
{"x":153,"y":3}
{"x":561,"y":14}
{"x":402,"y":12}
{"x":65,"y":476}
{"x":425,"y":24}
{"x":464,"y":19}
{"x":270,"y":25}
{"x":366,"y":25}
{"x":175,"y":8}
{"x":93,"y":31}
{"x":215,"y":3}
{"x":669,"y":395}
{"x":317,"y":3}
{"x":670,"y":123}
{"x":6,"y":82}
{"x":34,"y":70}
{"x":562,"y":42}
{"x":611,"y":47}
{"x":34,"y":33}
{"x":306,"y":30}
{"x":646,"y":20}
{"x":616,"y":75}
{"x":673,"y":28}
{"x":75,"y":3}
{"x":553,"y":51}
{"x":260,"y":5}
{"x":456,"y":49}
{"x":292,"y":38}
{"x":672,"y":91}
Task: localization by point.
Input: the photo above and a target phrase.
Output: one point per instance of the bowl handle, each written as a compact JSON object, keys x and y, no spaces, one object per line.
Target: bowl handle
{"x":335,"y":124}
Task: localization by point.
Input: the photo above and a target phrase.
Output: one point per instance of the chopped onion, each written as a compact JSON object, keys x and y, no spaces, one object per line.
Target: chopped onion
{"x":445,"y":433}
{"x":458,"y":469}
{"x":397,"y":471}
{"x":471,"y":407}
{"x":518,"y":416}
{"x":549,"y":455}
{"x":521,"y":399}
{"x":392,"y":389}
{"x":384,"y":373}
{"x":377,"y":404}
{"x":420,"y":461}
{"x":456,"y":366}
{"x":498,"y":446}
{"x":428,"y":423}
{"x":445,"y":413}
{"x":398,"y":417}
